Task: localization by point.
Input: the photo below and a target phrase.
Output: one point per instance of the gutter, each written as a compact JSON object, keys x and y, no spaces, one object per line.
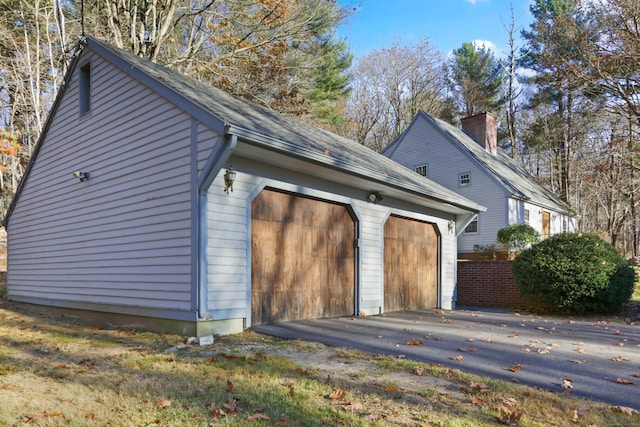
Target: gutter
{"x":298,"y":152}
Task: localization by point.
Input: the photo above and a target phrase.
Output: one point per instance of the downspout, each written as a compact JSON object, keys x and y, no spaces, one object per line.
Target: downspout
{"x":212,"y":168}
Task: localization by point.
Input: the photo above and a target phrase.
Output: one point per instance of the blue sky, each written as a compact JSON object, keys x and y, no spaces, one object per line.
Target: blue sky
{"x":446,"y":23}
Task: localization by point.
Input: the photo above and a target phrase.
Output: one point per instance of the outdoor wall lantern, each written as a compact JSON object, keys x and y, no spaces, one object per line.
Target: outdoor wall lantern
{"x":229,"y":178}
{"x":374,"y":197}
{"x":83,"y":176}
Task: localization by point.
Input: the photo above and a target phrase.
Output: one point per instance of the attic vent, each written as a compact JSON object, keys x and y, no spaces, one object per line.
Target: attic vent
{"x":85,"y":89}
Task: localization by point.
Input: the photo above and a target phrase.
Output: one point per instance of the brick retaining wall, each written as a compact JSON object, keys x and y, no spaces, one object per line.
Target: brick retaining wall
{"x":487,"y":283}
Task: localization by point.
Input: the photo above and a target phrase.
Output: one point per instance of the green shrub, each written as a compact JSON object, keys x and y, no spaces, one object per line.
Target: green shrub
{"x":574,"y":272}
{"x":517,"y":237}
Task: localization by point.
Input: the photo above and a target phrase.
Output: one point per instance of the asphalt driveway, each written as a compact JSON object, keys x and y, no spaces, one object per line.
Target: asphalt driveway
{"x":597,"y":357}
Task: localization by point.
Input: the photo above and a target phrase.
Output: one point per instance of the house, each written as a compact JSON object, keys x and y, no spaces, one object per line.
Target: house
{"x":469,"y":162}
{"x":155,"y":200}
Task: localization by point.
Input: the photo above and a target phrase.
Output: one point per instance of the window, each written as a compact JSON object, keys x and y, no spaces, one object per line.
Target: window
{"x":473,"y":226}
{"x":422,"y":170}
{"x":464,"y":179}
{"x":526,"y":216}
{"x":564,"y":226}
{"x":85,"y":89}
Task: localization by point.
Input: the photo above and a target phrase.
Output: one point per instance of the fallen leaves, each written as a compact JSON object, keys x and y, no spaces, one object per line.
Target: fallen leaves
{"x":163,"y":404}
{"x":623,"y":381}
{"x":414,"y":342}
{"x":509,"y":412}
{"x":511,"y":418}
{"x":516,"y":367}
{"x":480,"y":387}
{"x":620,"y":359}
{"x":625,"y":409}
{"x":289,"y":385}
{"x":352,"y":406}
{"x":41,"y":415}
{"x":338,"y":394}
{"x":566,"y":384}
{"x":457,"y":358}
{"x":257,"y":416}
{"x":348,"y":406}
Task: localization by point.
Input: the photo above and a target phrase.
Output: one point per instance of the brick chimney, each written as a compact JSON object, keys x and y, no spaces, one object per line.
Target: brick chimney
{"x":483,"y":128}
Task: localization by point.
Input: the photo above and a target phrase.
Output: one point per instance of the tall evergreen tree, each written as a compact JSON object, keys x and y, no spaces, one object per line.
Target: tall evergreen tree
{"x":553,"y":44}
{"x":330,"y":83}
{"x":475,"y":80}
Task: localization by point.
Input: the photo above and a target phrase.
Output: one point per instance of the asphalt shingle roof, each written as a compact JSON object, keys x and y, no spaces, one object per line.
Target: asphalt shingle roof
{"x":272,"y":129}
{"x":519,"y":182}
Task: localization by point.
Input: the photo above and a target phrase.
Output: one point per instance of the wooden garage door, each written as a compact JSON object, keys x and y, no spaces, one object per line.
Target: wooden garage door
{"x":410,"y":265}
{"x":302,"y":260}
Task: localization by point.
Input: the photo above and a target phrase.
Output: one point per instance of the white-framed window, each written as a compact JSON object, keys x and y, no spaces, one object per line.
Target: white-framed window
{"x":85,"y":89}
{"x":526,"y":216}
{"x":472,"y":227}
{"x":464,"y":179}
{"x":422,"y":170}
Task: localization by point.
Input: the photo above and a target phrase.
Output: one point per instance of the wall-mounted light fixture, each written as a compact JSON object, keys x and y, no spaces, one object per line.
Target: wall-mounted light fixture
{"x":374,"y":197}
{"x":83,"y":176}
{"x":451,"y":226}
{"x":229,"y":178}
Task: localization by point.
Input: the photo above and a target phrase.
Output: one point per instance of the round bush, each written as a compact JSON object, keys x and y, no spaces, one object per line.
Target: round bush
{"x":575,"y":272}
{"x":517,"y":237}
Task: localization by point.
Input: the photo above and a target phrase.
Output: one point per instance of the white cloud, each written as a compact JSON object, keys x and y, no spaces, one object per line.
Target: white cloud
{"x":486,"y":44}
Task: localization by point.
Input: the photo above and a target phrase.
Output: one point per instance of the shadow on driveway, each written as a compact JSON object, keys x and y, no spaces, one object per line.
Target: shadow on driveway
{"x":543,"y":350}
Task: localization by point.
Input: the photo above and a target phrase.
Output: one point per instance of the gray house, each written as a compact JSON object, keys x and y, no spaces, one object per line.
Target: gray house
{"x":156,"y":200}
{"x":469,"y":162}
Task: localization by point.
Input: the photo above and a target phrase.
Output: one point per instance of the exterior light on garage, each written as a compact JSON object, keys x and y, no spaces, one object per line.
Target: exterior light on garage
{"x":374,"y":197}
{"x":82,"y":176}
{"x":229,"y":178}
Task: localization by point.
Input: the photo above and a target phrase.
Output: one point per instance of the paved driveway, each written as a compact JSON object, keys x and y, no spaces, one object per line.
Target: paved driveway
{"x":532,"y":350}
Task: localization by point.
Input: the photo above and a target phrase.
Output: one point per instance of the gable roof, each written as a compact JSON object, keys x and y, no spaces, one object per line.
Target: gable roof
{"x":267,"y":129}
{"x":519,"y":183}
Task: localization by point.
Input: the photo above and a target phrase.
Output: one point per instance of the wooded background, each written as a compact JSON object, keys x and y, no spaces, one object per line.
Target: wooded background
{"x":566,"y":92}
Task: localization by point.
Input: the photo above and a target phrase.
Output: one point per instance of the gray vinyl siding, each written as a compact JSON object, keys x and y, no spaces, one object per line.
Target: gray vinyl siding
{"x":372,"y":254}
{"x":122,"y":238}
{"x":228,"y":239}
{"x":227,"y":231}
{"x":208,"y":141}
{"x":424,"y":144}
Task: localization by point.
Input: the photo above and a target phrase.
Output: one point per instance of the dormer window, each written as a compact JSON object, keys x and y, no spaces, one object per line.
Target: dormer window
{"x":85,"y":89}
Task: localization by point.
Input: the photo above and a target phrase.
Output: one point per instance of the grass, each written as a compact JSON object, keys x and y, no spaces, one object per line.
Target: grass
{"x":63,"y":371}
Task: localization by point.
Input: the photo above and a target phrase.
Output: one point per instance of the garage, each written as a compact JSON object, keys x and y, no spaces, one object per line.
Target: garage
{"x":410,"y":264}
{"x":302,"y":258}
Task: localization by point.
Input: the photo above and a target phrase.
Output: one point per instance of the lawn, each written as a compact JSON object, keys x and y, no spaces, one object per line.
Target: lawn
{"x":64,"y":371}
